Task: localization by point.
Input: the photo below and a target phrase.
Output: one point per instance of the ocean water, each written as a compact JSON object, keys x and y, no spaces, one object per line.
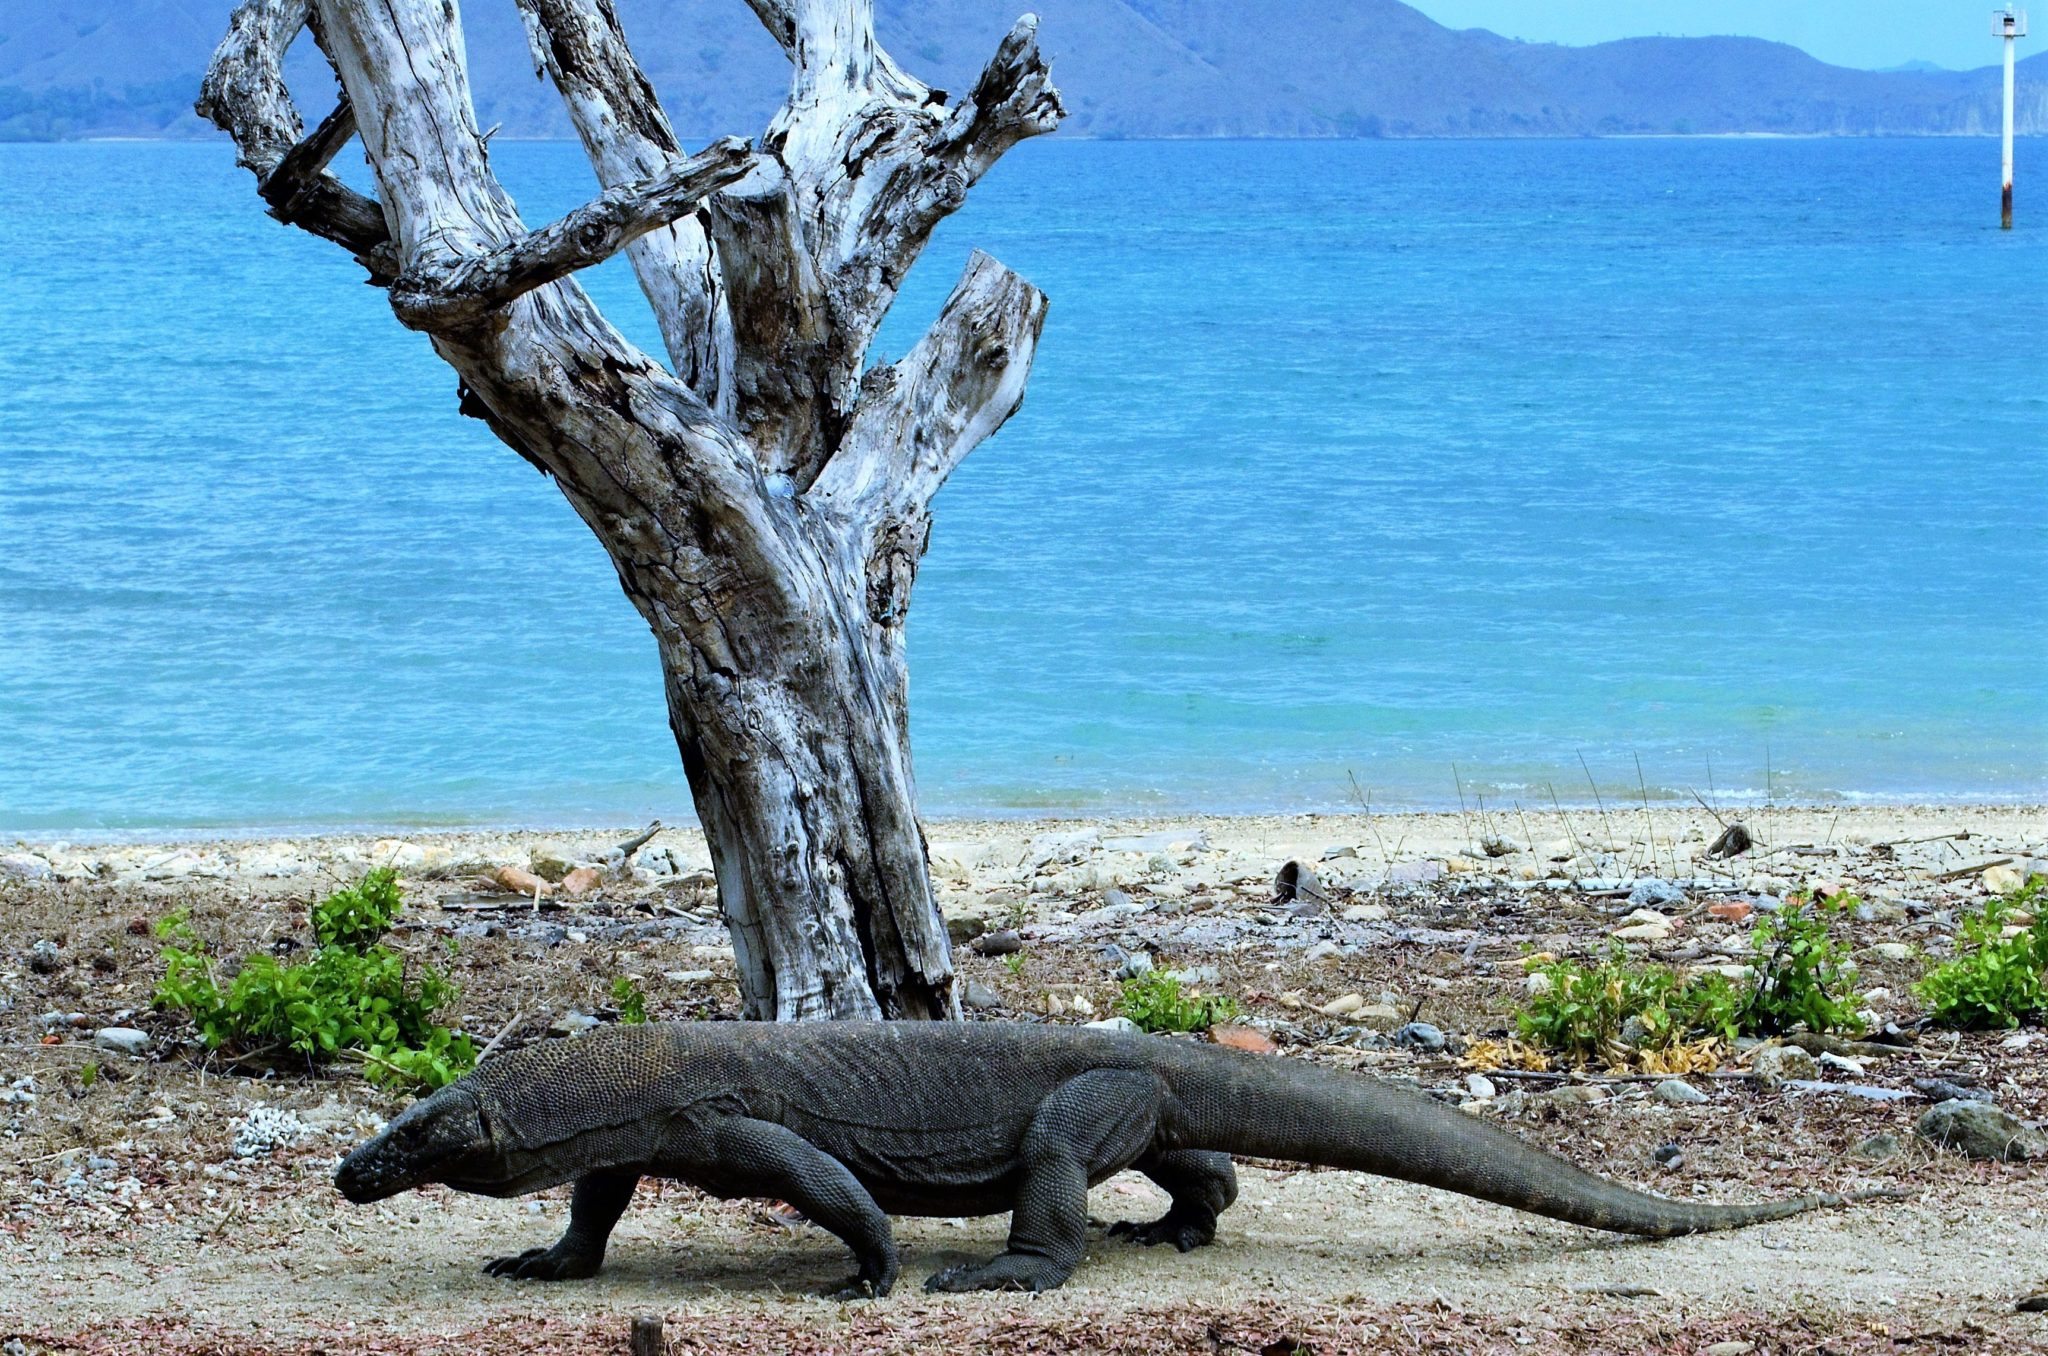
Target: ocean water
{"x":1401,"y":470}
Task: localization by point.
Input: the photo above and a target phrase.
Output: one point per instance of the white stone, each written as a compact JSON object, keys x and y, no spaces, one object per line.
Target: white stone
{"x":1366,"y":913}
{"x":24,"y":866}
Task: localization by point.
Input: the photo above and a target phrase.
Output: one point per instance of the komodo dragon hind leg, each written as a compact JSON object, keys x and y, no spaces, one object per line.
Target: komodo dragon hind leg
{"x":594,"y":1208}
{"x":1089,"y":1127}
{"x":1202,"y":1184}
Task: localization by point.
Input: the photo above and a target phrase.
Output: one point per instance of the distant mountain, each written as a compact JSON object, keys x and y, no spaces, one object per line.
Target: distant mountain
{"x":1129,"y":68}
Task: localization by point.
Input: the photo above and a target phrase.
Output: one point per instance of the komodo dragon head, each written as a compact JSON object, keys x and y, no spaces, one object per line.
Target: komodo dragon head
{"x":446,"y":1137}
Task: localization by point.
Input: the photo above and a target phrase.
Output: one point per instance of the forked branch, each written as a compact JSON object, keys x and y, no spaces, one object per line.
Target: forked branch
{"x":245,"y":96}
{"x":477,"y":284}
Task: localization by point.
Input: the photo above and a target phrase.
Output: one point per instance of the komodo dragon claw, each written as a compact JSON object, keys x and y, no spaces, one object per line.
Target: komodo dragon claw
{"x":544,"y":1264}
{"x":1185,"y":1235}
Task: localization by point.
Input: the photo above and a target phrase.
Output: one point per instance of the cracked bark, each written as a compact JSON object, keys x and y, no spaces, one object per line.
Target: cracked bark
{"x":764,"y":498}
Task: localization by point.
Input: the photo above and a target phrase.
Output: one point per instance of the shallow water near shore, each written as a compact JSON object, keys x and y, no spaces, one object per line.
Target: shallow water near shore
{"x":1436,"y":465}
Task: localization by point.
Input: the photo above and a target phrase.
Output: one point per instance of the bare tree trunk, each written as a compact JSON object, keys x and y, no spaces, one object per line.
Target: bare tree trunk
{"x":764,"y":498}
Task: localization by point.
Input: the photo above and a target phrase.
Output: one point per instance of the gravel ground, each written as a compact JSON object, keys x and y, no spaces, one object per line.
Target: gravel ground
{"x":127,"y":1220}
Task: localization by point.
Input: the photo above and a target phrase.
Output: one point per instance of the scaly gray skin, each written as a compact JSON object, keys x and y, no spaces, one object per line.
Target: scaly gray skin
{"x":851,"y":1122}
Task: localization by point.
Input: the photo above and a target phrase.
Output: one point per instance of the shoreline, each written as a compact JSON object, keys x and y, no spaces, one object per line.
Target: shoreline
{"x":1572,"y":847}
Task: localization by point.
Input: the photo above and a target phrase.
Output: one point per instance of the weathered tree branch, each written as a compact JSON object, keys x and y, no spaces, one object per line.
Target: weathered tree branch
{"x":919,"y":417}
{"x":245,"y":96}
{"x":448,"y":294}
{"x":581,"y":47}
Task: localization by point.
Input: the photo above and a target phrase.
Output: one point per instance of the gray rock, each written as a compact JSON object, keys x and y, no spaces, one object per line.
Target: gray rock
{"x":1135,"y":964}
{"x":1197,"y":974}
{"x":24,"y":866}
{"x":1941,"y":1090}
{"x":1123,"y":1025}
{"x":979,"y":996}
{"x":999,"y":943}
{"x":1634,"y":1032}
{"x":1420,"y":1036}
{"x":965,"y":926}
{"x":1668,"y":1157}
{"x":1776,"y":1065}
{"x":1879,"y":1148}
{"x":1980,"y":1130}
{"x":45,"y":958}
{"x":1651,"y":893}
{"x":1678,"y":1092}
{"x":122,"y":1040}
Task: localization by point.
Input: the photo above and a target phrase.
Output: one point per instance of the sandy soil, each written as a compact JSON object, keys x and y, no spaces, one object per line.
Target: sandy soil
{"x":126,"y":1223}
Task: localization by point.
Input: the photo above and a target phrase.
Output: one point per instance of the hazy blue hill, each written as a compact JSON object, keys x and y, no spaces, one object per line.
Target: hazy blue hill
{"x":1130,"y":68}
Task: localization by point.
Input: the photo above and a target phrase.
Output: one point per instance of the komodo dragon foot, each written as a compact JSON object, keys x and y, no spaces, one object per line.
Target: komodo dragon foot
{"x":1184,"y":1233}
{"x":554,"y":1263}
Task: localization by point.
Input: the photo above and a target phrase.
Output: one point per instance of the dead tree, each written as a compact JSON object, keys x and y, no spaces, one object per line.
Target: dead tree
{"x":763,"y":495}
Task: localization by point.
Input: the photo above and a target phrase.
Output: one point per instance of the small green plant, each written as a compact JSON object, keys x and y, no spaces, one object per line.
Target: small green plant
{"x":89,"y":1074}
{"x":1995,"y":980}
{"x":353,"y":997}
{"x":1156,"y":1002}
{"x":630,"y":1001}
{"x":1804,"y":977}
{"x":355,"y":918}
{"x":1014,"y":963}
{"x":1584,"y":1009}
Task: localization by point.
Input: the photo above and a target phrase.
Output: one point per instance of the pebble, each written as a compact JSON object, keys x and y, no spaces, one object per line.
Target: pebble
{"x":1421,"y":1036}
{"x":1366,"y":913}
{"x":45,"y":958}
{"x":1343,"y":1006}
{"x":689,"y":976}
{"x":1479,"y":1086}
{"x":1879,"y":1148}
{"x":1776,"y":1065}
{"x":1322,"y":951}
{"x":265,"y":1130}
{"x":1002,"y":943}
{"x":1135,"y":964}
{"x":1892,"y":951}
{"x":1678,"y":1092}
{"x":1668,"y":1157}
{"x":1729,"y":1349}
{"x":122,"y":1040}
{"x":1122,"y":1025}
{"x":1980,"y":1130}
{"x":1653,"y":893}
{"x":979,"y":996}
{"x":1196,"y":974}
{"x":24,"y":866}
{"x":572,"y":1023}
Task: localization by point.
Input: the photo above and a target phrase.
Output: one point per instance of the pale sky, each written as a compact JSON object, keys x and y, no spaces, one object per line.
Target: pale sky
{"x":1869,"y":33}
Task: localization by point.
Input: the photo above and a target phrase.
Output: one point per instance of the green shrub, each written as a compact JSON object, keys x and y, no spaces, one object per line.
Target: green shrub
{"x":356,"y":917}
{"x":1583,"y":1008}
{"x":1994,"y":980}
{"x":1804,"y":977}
{"x":1156,"y":1003}
{"x":351,"y":998}
{"x":631,"y":1002}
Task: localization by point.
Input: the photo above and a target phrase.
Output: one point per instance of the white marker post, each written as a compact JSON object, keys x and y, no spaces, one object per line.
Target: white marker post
{"x":2011,"y":25}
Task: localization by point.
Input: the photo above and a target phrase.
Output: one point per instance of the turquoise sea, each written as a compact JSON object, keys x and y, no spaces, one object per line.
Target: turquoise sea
{"x":1432,"y":465}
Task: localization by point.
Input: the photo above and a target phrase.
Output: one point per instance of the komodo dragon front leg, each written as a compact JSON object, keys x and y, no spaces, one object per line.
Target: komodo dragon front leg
{"x":1090,"y":1127}
{"x":729,"y":1156}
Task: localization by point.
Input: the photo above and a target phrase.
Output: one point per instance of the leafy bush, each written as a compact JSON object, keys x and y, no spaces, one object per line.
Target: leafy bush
{"x":352,"y":998}
{"x":356,"y":917}
{"x":1154,"y":1001}
{"x":1803,"y":975}
{"x":630,"y":1000}
{"x":1995,"y":980}
{"x":1584,"y":1009}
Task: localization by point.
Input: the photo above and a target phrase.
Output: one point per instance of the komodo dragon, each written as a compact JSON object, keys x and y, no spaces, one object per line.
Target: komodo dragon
{"x":853,"y":1121}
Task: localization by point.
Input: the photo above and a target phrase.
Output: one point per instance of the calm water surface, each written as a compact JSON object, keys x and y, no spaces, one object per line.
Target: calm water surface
{"x":1341,"y":460}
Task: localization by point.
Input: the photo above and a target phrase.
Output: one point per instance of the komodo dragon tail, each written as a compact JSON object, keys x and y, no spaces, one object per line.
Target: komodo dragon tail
{"x":1287,"y":1109}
